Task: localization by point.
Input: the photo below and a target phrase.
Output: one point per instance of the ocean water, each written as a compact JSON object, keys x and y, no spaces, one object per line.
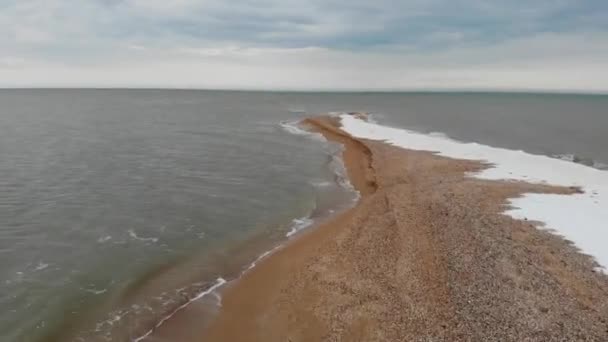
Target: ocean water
{"x":568,"y":126}
{"x":119,"y":206}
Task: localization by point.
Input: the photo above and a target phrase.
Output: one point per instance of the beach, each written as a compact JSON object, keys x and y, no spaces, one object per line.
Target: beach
{"x":425,"y":254}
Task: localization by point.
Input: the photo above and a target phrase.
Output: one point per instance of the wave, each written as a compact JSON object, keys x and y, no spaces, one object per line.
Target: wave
{"x":218,"y":283}
{"x":260,"y":257}
{"x":293,"y":128}
{"x":41,"y":266}
{"x":299,"y":224}
{"x":145,"y":239}
{"x":96,"y":292}
{"x":336,"y":165}
{"x":104,"y":239}
{"x":321,"y":184}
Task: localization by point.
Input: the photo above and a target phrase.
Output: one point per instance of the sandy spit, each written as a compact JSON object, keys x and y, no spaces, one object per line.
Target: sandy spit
{"x":425,"y":255}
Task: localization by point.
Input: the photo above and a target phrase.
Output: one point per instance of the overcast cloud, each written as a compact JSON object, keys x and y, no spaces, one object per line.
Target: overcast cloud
{"x":288,"y":44}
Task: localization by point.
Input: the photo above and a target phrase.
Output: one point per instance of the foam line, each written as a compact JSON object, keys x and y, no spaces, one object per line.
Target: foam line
{"x":218,"y":283}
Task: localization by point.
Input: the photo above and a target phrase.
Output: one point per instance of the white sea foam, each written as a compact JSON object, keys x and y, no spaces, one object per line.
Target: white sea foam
{"x":104,"y":239}
{"x":299,"y":224}
{"x":96,"y":292}
{"x":581,"y":218}
{"x":146,"y":239}
{"x":218,"y":283}
{"x":293,"y":128}
{"x":339,"y":169}
{"x":41,"y":266}
{"x":262,"y":256}
{"x":321,"y":184}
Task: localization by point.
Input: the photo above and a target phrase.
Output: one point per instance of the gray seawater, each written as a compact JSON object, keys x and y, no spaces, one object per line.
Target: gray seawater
{"x":571,"y":126}
{"x":117,"y":206}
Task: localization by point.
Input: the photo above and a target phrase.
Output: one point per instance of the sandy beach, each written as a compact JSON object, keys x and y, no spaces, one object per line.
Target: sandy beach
{"x":425,"y":255}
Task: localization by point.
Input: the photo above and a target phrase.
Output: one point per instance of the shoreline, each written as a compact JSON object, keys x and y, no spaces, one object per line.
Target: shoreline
{"x":202,"y":298}
{"x":347,"y":279}
{"x":173,"y":326}
{"x":206,"y":303}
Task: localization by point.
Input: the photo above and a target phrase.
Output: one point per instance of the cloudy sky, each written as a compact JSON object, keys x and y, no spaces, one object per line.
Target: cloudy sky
{"x":315,"y":44}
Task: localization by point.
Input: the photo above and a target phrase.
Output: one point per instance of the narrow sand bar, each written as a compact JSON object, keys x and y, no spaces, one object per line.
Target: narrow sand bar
{"x":426,"y":255}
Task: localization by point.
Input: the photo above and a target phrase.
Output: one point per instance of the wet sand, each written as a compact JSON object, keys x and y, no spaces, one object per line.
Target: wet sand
{"x":425,"y":255}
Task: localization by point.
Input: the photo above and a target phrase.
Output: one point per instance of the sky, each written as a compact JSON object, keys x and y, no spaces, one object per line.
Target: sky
{"x":559,"y":45}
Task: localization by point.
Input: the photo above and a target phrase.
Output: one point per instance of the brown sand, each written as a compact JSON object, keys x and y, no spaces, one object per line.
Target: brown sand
{"x":426,"y":255}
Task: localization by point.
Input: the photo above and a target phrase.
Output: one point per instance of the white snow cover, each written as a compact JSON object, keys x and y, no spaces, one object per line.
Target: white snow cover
{"x":580,"y":218}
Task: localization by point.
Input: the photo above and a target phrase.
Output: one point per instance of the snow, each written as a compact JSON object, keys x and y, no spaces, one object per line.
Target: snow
{"x":580,"y":218}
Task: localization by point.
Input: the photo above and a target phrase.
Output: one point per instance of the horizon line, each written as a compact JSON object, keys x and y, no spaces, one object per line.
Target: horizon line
{"x":329,"y":91}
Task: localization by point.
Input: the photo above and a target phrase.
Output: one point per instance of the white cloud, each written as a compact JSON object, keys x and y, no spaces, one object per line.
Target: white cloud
{"x":384,"y":44}
{"x":545,"y":62}
{"x":30,"y":35}
{"x":166,"y":7}
{"x":11,"y":62}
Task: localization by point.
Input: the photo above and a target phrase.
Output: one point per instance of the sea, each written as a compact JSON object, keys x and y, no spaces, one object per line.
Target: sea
{"x":118,"y":208}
